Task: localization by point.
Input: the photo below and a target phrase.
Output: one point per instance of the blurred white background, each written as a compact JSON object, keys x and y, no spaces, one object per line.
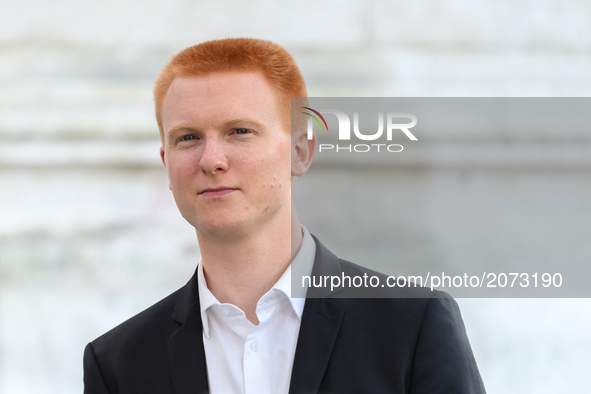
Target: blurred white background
{"x":90,"y":235}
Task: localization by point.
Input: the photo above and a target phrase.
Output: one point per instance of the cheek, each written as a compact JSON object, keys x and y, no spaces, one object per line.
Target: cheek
{"x":278,"y":171}
{"x":180,"y":171}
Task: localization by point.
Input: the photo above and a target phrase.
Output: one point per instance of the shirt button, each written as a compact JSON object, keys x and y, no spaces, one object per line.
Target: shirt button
{"x":255,"y":346}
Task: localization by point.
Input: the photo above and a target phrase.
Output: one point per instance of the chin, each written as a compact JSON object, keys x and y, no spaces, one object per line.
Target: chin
{"x":220,"y":228}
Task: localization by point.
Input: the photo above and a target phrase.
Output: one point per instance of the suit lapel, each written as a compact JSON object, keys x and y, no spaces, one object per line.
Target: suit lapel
{"x":185,"y":347}
{"x":321,"y":322}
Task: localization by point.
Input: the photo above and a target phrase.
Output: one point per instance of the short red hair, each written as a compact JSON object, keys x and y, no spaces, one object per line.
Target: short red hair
{"x":234,"y":54}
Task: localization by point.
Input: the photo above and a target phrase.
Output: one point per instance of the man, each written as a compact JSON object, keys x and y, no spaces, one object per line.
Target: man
{"x":223,"y":109}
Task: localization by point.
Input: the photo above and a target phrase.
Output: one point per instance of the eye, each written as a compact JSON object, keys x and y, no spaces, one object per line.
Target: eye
{"x":241,"y":131}
{"x":188,"y":137}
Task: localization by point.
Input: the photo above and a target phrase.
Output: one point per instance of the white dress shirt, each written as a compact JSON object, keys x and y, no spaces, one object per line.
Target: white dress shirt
{"x":245,"y":358}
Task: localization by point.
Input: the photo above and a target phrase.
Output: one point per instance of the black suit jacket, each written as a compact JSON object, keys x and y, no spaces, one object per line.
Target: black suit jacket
{"x":345,"y":345}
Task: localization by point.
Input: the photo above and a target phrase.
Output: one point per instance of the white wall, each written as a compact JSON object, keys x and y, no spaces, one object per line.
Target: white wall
{"x":90,"y":235}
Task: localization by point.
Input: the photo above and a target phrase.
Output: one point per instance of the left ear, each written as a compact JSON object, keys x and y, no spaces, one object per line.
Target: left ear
{"x":302,"y":152}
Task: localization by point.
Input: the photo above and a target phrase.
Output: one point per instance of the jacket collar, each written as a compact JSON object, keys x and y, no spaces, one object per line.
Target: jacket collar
{"x":325,"y":264}
{"x":320,"y":327}
{"x":185,"y":347}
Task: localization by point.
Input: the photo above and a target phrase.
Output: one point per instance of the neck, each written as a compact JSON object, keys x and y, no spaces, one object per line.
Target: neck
{"x":242,"y":270}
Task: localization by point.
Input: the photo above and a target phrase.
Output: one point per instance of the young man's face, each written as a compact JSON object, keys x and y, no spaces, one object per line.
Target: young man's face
{"x":227,"y":152}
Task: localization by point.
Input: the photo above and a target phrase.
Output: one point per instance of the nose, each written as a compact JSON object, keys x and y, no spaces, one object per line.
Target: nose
{"x":213,"y":159}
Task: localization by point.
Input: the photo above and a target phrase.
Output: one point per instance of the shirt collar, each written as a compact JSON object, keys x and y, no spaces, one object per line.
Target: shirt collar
{"x":302,"y":264}
{"x":206,"y":299}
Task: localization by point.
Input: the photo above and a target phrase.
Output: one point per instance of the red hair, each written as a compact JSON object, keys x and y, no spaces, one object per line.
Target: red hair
{"x":234,"y":54}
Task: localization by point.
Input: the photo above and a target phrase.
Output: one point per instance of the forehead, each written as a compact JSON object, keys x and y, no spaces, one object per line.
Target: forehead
{"x":220,"y":96}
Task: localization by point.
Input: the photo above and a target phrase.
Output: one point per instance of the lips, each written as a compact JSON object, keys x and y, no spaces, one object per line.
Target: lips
{"x":217,"y":191}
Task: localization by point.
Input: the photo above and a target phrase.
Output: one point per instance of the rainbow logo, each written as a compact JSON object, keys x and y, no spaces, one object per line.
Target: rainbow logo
{"x":315,"y":118}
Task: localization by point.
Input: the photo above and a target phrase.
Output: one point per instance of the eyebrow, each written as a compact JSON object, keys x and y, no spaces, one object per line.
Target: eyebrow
{"x":228,"y":123}
{"x":232,"y":122}
{"x":177,"y":128}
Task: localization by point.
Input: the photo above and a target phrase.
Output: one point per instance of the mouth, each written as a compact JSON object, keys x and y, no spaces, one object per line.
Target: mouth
{"x":217,"y":191}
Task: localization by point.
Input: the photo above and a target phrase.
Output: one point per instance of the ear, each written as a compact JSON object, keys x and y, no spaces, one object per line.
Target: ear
{"x":164,"y":161}
{"x":162,"y":155}
{"x":302,"y":152}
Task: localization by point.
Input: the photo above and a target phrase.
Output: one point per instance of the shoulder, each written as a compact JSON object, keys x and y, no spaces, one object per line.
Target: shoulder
{"x":371,"y":297}
{"x":371,"y":301}
{"x":134,"y":356}
{"x":152,"y":326}
{"x":333,"y":277}
{"x":423,"y":325}
{"x":378,"y":285}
